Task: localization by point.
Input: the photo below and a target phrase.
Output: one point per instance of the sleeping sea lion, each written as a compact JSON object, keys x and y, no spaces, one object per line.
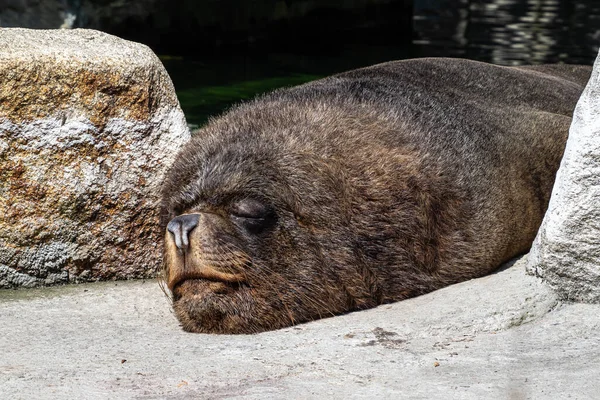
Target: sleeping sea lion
{"x":362,"y":188}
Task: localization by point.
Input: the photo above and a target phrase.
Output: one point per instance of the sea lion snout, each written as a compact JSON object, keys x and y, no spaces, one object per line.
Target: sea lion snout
{"x":193,"y":252}
{"x":180,"y":227}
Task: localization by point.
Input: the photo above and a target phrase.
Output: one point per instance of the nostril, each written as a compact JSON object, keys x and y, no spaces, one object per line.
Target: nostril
{"x":181,"y":226}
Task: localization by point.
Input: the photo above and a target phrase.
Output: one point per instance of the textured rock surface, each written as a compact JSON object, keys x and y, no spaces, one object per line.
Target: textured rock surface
{"x":88,"y":124}
{"x":503,"y":336}
{"x":566,"y":251}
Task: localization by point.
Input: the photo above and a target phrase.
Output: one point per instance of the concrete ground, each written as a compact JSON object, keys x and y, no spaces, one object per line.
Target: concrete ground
{"x":504,"y":336}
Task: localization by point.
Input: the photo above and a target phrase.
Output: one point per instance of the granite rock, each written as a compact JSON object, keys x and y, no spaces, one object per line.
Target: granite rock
{"x":566,"y":251}
{"x":88,"y":125}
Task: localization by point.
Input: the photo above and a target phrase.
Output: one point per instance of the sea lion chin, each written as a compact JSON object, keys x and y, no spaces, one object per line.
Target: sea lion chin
{"x":360,"y":189}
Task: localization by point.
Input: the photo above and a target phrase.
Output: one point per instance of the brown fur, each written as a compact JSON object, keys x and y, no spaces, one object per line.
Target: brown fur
{"x":380,"y":184}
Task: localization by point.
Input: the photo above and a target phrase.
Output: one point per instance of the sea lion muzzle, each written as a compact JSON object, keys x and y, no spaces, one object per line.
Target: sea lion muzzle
{"x":193,"y":253}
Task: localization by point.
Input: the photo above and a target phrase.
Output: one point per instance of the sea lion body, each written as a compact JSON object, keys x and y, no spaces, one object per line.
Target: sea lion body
{"x":362,"y":188}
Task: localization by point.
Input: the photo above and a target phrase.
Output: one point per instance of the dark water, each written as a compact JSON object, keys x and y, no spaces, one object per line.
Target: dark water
{"x":505,"y":32}
{"x":208,"y":87}
{"x":510,"y":32}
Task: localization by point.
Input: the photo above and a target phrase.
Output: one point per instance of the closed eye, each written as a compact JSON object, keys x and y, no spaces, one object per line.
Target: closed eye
{"x":252,"y":215}
{"x":250,"y":209}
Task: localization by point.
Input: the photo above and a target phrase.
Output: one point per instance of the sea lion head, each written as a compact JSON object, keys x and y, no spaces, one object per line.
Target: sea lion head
{"x":260,"y":223}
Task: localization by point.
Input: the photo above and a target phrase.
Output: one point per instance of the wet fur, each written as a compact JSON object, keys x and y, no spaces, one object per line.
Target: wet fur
{"x":389,"y":182}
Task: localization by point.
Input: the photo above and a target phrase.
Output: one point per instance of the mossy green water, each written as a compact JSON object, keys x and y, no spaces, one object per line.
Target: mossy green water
{"x":208,"y":87}
{"x":200,"y":103}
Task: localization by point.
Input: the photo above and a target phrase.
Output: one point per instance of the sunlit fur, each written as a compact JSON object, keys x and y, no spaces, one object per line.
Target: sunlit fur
{"x":387,"y":182}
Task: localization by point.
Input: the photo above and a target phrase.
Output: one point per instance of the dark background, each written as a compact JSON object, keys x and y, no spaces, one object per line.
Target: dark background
{"x":221,"y":52}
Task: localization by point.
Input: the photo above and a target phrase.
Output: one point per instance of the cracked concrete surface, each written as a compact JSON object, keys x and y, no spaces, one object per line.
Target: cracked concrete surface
{"x":504,"y":336}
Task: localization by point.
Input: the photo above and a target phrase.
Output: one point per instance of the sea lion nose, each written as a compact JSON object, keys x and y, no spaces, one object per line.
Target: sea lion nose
{"x":180,"y":227}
